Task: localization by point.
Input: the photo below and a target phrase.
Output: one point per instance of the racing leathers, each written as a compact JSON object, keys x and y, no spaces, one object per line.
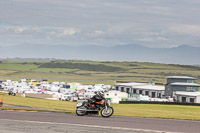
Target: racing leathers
{"x":94,"y":99}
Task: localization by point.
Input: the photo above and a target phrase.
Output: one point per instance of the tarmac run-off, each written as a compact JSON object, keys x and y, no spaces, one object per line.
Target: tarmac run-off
{"x":13,"y":121}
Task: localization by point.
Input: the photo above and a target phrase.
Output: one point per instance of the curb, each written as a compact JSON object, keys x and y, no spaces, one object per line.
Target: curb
{"x":33,"y":110}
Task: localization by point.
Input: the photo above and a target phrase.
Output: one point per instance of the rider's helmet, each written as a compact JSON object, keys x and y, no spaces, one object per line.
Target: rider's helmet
{"x":100,"y":93}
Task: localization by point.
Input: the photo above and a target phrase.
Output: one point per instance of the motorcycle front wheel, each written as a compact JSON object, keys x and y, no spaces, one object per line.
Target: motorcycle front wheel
{"x":107,"y":113}
{"x":81,"y":113}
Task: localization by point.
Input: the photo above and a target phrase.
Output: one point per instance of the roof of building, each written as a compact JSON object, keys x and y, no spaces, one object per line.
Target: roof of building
{"x":185,"y":84}
{"x":150,"y":87}
{"x":115,"y":91}
{"x":132,"y":84}
{"x":145,"y":86}
{"x":180,"y":77}
{"x":188,"y":93}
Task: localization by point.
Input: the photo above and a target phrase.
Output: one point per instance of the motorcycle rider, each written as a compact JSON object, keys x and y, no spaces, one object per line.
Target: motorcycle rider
{"x":96,"y":98}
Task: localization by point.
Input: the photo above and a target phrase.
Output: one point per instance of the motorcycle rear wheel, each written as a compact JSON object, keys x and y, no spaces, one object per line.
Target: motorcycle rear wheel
{"x":81,"y":113}
{"x":107,"y":113}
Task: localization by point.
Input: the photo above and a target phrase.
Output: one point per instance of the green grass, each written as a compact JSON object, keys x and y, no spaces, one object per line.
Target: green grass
{"x":38,"y":103}
{"x":158,"y":111}
{"x":131,"y":110}
{"x":132,"y":71}
{"x":56,"y":70}
{"x":19,"y":67}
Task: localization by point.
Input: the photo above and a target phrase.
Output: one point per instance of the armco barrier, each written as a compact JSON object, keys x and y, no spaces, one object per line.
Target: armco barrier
{"x":154,"y":102}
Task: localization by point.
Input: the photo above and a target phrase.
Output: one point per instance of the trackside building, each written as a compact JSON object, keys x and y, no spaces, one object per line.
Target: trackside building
{"x":181,"y":84}
{"x":189,"y":97}
{"x":180,"y":88}
{"x":146,"y":89}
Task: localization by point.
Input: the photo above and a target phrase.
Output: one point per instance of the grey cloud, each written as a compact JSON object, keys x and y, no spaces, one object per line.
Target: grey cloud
{"x":156,"y":23}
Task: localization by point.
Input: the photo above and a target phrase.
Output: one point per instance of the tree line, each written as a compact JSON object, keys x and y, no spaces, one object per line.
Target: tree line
{"x":81,"y":66}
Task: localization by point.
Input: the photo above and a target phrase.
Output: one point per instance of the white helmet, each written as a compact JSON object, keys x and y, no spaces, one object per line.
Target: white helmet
{"x":100,"y":93}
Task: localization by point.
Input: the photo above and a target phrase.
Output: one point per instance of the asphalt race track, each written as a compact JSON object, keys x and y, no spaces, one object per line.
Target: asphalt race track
{"x":32,"y":122}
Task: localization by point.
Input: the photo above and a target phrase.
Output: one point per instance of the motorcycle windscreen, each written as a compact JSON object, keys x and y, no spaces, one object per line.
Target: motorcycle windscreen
{"x":79,"y":104}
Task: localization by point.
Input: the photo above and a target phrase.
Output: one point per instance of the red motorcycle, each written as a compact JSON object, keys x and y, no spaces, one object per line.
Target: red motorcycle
{"x":103,"y":107}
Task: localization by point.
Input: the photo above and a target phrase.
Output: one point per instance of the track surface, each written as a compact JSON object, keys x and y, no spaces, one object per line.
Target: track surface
{"x":13,"y":121}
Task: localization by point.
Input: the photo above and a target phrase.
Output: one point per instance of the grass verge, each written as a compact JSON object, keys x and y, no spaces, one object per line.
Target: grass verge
{"x":129,"y":110}
{"x":33,"y":110}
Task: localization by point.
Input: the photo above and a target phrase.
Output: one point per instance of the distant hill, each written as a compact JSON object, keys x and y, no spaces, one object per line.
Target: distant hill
{"x":178,"y":55}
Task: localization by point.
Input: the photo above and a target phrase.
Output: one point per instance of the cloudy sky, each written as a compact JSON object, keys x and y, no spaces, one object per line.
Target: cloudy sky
{"x":152,"y":23}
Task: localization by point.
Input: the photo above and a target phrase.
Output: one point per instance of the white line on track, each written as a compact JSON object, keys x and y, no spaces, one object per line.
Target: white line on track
{"x":94,"y":126}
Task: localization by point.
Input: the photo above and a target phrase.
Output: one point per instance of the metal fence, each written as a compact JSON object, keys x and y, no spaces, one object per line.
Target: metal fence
{"x":155,"y":102}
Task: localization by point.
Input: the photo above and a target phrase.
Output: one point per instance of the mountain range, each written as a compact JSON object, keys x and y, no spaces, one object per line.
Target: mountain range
{"x":183,"y":54}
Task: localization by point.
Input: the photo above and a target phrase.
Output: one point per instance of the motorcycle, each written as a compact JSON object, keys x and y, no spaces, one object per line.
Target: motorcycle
{"x":103,"y":107}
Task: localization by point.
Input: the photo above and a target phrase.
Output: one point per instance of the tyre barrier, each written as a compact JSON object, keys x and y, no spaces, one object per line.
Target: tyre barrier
{"x":11,"y":93}
{"x":155,"y":102}
{"x":1,"y":102}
